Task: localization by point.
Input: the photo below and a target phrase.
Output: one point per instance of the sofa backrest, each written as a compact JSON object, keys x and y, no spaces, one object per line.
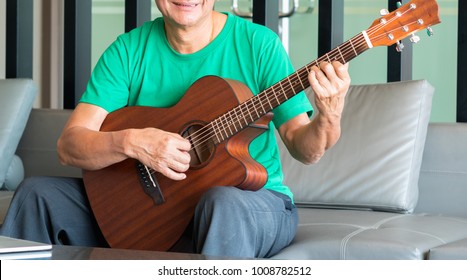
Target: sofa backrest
{"x":443,"y":175}
{"x":376,"y":163}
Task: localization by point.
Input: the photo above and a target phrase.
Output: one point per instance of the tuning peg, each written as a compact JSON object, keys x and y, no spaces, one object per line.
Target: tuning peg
{"x":398,"y":4}
{"x":429,"y":31}
{"x":384,"y":12}
{"x":399,"y":46}
{"x":414,"y":39}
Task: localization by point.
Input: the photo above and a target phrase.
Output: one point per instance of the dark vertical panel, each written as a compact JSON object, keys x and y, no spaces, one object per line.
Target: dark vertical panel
{"x":330,"y":25}
{"x":399,"y":63}
{"x":19,"y":38}
{"x":462,"y":63}
{"x":136,"y":13}
{"x":77,"y":53}
{"x":266,"y":12}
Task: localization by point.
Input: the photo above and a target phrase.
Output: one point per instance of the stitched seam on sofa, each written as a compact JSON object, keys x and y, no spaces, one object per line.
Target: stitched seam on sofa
{"x":380,"y":223}
{"x":345,"y":240}
{"x":331,"y":224}
{"x":419,"y":232}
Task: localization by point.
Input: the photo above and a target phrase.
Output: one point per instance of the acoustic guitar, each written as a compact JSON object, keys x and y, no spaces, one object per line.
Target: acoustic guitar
{"x":139,"y":208}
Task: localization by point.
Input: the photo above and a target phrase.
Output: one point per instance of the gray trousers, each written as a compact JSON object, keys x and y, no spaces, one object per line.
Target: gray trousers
{"x":227,"y":222}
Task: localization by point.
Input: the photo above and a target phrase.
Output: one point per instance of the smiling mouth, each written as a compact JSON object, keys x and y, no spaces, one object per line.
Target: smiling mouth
{"x":186,"y":5}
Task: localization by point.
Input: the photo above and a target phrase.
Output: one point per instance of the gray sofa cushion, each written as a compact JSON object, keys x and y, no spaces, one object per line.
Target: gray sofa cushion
{"x":364,"y":235}
{"x":451,"y":251}
{"x":16,"y":99}
{"x":376,"y":163}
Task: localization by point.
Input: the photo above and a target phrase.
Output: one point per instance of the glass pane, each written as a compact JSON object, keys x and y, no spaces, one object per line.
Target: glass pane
{"x":108,"y":21}
{"x":371,"y":66}
{"x":435,"y":59}
{"x":303,"y":34}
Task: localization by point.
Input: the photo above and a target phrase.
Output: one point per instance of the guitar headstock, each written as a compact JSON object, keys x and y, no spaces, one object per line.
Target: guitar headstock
{"x":403,"y":22}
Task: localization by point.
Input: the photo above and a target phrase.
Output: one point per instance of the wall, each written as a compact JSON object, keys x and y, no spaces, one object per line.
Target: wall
{"x":2,"y":38}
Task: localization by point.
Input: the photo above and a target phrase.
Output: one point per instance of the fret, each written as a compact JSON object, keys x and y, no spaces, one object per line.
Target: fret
{"x":283,"y":91}
{"x":261,"y":103}
{"x":353,"y":48}
{"x":317,"y":63}
{"x":254,"y":107}
{"x":235,"y":121}
{"x":229,"y":123}
{"x":248,"y":111}
{"x":343,"y":59}
{"x":269,"y":101}
{"x":214,"y":130}
{"x":224,"y":129}
{"x":291,"y":85}
{"x":220,"y":129}
{"x":303,"y":87}
{"x":275,"y":95}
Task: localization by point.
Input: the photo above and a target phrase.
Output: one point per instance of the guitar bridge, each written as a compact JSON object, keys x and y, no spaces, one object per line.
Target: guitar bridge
{"x":149,"y":183}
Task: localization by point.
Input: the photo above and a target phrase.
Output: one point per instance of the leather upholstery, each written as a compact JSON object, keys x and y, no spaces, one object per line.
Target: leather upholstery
{"x":16,"y":99}
{"x":376,"y":163}
{"x":451,"y":251}
{"x":340,"y":232}
{"x":38,"y":147}
{"x":365,"y":235}
{"x":443,"y":177}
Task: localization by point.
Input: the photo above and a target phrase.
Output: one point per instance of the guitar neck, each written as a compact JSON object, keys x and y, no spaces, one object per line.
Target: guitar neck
{"x":248,"y":112}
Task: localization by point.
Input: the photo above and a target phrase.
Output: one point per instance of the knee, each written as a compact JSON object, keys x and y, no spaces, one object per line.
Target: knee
{"x":225,"y":196}
{"x":223,"y":201}
{"x":35,"y":187}
{"x":30,"y":185}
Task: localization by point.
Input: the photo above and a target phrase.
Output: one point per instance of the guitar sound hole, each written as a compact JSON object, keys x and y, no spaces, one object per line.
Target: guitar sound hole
{"x":202,"y":145}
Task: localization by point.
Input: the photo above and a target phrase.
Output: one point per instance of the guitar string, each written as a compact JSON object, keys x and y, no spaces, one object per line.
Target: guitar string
{"x":262,"y":98}
{"x":289,"y":86}
{"x":206,"y":132}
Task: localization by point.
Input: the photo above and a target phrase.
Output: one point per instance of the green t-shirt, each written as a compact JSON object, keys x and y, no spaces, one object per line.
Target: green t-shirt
{"x":141,"y":68}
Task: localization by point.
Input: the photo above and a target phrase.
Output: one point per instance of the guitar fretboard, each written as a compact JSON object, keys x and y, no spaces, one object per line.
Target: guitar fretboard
{"x":228,"y":124}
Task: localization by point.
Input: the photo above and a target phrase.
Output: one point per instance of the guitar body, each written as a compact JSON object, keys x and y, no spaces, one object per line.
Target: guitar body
{"x":130,"y":218}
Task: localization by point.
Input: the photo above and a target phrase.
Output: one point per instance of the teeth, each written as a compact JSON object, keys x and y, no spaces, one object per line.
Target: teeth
{"x":186,"y":5}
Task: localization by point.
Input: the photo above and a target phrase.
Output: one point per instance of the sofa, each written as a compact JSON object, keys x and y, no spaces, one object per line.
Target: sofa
{"x":393,"y":187}
{"x":16,"y":99}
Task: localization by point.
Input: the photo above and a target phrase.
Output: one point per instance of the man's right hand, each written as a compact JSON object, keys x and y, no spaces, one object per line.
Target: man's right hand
{"x":164,"y":152}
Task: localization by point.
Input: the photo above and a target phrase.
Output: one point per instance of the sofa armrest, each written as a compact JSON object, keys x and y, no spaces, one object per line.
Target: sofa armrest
{"x":38,"y":146}
{"x":16,"y":98}
{"x":443,"y":174}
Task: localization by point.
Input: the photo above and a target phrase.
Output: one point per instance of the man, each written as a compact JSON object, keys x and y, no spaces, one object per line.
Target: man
{"x":154,"y":65}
